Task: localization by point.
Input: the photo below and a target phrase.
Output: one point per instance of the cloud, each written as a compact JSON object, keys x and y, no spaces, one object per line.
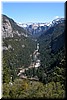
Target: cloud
{"x":56,"y":17}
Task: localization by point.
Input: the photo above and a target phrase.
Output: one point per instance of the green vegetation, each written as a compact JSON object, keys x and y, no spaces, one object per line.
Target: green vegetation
{"x":18,"y":56}
{"x":32,"y":89}
{"x":17,"y":53}
{"x":52,"y":84}
{"x":6,"y":72}
{"x":52,"y":50}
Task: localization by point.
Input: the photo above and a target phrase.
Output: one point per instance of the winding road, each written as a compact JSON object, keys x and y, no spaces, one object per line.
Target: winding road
{"x":35,"y":63}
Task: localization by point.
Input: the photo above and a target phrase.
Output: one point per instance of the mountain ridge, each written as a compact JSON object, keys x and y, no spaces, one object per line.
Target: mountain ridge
{"x":33,"y":63}
{"x":36,"y":29}
{"x":10,"y":28}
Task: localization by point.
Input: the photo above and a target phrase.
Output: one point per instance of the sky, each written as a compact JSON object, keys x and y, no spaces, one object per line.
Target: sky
{"x":30,"y":12}
{"x":33,"y":12}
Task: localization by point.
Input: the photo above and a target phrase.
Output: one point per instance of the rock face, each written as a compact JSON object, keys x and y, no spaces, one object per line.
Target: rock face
{"x":16,"y":44}
{"x":11,"y":29}
{"x":6,"y":28}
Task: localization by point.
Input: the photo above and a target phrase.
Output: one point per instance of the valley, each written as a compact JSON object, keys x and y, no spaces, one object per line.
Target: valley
{"x":34,"y":59}
{"x":35,"y":63}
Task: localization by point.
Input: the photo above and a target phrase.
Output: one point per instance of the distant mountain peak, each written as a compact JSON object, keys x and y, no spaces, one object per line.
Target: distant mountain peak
{"x":36,"y":29}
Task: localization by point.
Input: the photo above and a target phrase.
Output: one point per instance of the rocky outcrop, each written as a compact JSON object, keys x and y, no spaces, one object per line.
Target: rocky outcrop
{"x":11,"y":29}
{"x":6,"y":28}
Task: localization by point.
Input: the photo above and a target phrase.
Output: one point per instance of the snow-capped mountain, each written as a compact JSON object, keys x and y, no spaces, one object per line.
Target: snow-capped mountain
{"x":57,"y":21}
{"x":22,"y":25}
{"x":36,"y":29}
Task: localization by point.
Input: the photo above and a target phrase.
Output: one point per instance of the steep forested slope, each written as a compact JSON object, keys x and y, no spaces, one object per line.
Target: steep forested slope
{"x":17,"y":46}
{"x":52,"y":50}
